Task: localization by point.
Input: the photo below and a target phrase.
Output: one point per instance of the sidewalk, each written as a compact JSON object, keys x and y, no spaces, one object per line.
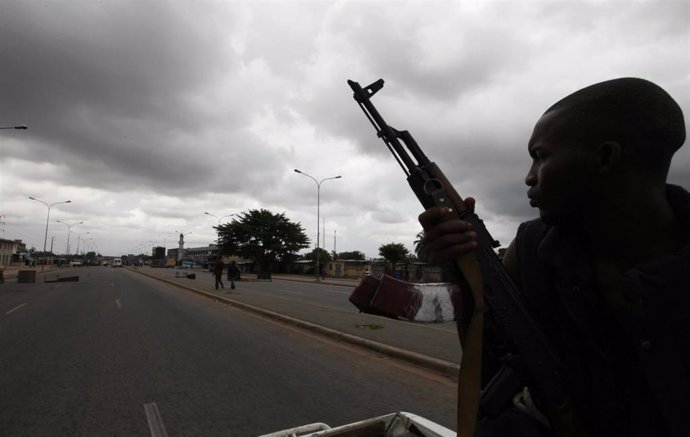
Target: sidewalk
{"x":10,"y":273}
{"x":425,"y":345}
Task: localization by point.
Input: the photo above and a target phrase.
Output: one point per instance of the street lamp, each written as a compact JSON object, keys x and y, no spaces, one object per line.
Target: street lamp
{"x":318,"y":201}
{"x":45,"y":239}
{"x":20,"y":127}
{"x":219,"y":219}
{"x":69,"y":231}
{"x":86,"y":246}
{"x":165,"y":237}
{"x":79,"y":240}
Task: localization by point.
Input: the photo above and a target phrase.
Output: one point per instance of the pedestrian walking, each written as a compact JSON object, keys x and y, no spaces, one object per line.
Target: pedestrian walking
{"x":233,"y":273}
{"x":218,"y":273}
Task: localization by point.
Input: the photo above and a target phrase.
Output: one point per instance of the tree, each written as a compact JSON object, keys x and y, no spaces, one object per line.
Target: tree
{"x":324,"y":256}
{"x":420,"y":248}
{"x":393,"y":252}
{"x":355,"y":254}
{"x":263,"y":237}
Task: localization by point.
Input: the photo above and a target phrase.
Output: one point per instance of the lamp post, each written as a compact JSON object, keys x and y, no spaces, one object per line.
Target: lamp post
{"x":219,"y":219}
{"x":318,"y":201}
{"x":45,"y":239}
{"x":79,"y":240}
{"x":69,"y":231}
{"x":165,"y":237}
{"x":86,"y":247}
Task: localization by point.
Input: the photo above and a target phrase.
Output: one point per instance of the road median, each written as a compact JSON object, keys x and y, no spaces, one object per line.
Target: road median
{"x":421,"y":345}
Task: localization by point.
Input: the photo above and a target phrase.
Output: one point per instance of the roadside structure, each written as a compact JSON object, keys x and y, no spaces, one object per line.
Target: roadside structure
{"x":8,"y":248}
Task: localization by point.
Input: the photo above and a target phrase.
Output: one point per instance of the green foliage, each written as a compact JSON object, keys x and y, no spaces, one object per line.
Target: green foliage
{"x":263,"y":237}
{"x":355,"y":254}
{"x":393,"y":252}
{"x":420,"y":248}
{"x":411,"y":258}
{"x":324,"y":256}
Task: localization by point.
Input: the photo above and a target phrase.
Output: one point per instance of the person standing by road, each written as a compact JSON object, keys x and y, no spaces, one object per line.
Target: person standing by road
{"x":218,"y":272}
{"x":233,"y":271}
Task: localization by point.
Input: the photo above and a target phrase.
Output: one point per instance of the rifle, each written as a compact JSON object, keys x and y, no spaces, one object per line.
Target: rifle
{"x":530,"y":354}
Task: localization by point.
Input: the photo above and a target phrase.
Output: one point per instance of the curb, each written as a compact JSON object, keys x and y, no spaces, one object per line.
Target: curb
{"x":445,"y":368}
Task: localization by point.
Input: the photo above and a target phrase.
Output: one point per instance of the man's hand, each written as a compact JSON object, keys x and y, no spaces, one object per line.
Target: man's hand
{"x":446,"y":238}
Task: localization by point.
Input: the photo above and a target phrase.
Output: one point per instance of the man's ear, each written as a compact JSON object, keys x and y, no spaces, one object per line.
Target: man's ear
{"x":608,"y":155}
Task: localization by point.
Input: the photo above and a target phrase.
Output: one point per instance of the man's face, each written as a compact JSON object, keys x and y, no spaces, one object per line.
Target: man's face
{"x":561,"y":177}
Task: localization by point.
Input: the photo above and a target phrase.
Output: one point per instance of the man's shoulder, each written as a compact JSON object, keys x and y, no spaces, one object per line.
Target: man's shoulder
{"x":679,"y":199}
{"x":530,"y":234}
{"x":533,"y":226}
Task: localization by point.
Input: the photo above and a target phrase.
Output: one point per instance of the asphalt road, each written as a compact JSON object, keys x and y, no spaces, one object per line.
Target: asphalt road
{"x":119,"y":354}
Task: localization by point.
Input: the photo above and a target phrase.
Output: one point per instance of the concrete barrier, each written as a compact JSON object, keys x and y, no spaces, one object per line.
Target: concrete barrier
{"x":26,"y":276}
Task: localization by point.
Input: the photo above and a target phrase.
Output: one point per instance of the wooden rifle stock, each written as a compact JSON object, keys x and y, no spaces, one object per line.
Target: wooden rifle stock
{"x":532,"y":357}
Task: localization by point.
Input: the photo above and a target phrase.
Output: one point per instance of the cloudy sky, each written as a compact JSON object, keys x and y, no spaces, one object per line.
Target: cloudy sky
{"x":145,"y":114}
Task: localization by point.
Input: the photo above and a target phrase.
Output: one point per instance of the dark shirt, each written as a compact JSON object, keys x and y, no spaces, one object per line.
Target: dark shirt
{"x":218,"y":268}
{"x":629,"y":373}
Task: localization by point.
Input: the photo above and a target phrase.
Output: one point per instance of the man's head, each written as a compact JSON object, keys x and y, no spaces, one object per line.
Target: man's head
{"x":608,"y":130}
{"x":633,"y":112}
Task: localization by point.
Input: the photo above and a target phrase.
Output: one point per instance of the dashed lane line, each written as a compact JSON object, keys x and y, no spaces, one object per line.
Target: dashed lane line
{"x":153,"y":417}
{"x":15,"y":309}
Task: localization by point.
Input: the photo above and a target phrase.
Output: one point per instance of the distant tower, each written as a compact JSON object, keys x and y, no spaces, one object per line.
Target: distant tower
{"x":180,"y":248}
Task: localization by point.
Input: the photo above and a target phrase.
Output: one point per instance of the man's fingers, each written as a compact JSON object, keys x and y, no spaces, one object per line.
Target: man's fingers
{"x":432,"y":216}
{"x":437,"y":214}
{"x":450,"y":253}
{"x":470,"y":202}
{"x":450,"y":229}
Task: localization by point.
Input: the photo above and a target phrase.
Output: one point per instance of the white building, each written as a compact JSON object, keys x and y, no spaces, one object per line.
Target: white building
{"x":7,"y":249}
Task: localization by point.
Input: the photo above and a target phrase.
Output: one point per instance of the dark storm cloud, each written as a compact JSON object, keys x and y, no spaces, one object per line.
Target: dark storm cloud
{"x":106,"y":89}
{"x":155,"y":111}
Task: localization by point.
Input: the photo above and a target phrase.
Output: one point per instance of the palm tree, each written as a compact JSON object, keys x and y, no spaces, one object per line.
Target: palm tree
{"x":420,"y":249}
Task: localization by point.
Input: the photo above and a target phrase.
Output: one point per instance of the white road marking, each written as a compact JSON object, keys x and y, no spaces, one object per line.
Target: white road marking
{"x":118,"y":303}
{"x":15,"y":309}
{"x":153,"y":417}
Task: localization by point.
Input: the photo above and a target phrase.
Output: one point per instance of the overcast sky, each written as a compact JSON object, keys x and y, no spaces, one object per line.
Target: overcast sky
{"x":145,"y":114}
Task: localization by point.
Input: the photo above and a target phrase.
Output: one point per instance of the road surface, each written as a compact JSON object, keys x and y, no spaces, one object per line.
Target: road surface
{"x":121,"y":354}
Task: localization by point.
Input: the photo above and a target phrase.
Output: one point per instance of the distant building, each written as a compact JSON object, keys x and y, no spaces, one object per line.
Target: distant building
{"x":7,"y":249}
{"x":200,"y":255}
{"x":158,"y":256}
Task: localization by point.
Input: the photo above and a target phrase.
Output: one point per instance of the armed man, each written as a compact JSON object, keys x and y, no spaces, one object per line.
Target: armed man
{"x":604,"y":271}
